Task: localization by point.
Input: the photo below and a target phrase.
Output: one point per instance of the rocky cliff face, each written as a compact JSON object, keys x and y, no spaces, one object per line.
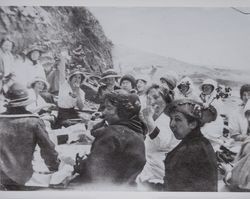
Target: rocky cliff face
{"x":71,"y":28}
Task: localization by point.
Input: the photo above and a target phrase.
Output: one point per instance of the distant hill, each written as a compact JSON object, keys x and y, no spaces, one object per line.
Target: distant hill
{"x":128,"y":60}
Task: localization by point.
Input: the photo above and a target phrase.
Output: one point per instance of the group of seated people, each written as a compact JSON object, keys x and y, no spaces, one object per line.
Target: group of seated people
{"x":161,"y":135}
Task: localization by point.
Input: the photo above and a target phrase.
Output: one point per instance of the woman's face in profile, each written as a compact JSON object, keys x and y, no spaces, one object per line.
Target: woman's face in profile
{"x":180,"y":125}
{"x":110,"y":112}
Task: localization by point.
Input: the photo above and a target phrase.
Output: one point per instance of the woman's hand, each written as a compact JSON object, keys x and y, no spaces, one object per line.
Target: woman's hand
{"x":48,"y":106}
{"x":148,"y":113}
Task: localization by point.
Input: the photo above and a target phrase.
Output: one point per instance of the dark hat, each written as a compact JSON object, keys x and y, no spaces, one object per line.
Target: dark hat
{"x":193,"y":109}
{"x":17,"y":95}
{"x":109,"y":74}
{"x":129,"y":78}
{"x":244,"y":88}
{"x":128,"y":104}
{"x":171,"y":80}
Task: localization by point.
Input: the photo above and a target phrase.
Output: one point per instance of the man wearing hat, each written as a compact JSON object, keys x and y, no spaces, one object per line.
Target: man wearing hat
{"x":20,"y":132}
{"x":192,"y":165}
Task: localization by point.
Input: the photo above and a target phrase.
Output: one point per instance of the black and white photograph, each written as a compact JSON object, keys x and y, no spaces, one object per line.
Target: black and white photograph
{"x":124,"y":98}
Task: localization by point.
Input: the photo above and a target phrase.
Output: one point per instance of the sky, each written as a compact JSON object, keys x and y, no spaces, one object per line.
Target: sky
{"x":217,"y":37}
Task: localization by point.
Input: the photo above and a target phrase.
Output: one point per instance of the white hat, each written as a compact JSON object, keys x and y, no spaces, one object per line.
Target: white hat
{"x":38,"y":79}
{"x":209,"y":82}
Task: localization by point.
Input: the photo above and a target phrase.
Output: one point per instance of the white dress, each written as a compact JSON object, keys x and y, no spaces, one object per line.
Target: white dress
{"x":238,"y":123}
{"x":156,"y":149}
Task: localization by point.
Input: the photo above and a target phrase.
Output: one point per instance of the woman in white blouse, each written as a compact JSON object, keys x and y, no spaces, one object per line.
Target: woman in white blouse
{"x":160,"y":139}
{"x":71,"y":97}
{"x":36,"y":86}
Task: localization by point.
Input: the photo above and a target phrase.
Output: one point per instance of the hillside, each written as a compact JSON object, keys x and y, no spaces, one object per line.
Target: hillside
{"x":132,"y":60}
{"x":56,"y":29}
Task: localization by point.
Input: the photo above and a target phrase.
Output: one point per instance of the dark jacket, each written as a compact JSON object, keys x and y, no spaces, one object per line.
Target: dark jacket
{"x":117,"y":156}
{"x":19,"y":135}
{"x":192,"y":165}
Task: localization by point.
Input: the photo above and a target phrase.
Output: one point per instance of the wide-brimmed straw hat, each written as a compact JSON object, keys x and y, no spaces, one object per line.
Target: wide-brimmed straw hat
{"x":193,"y":109}
{"x":17,"y":96}
{"x":110,"y":73}
{"x":77,"y":70}
{"x":38,"y":79}
{"x":34,"y":47}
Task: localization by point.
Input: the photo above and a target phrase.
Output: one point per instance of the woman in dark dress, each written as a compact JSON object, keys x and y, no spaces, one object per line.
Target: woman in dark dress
{"x":118,"y":153}
{"x":192,"y":165}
